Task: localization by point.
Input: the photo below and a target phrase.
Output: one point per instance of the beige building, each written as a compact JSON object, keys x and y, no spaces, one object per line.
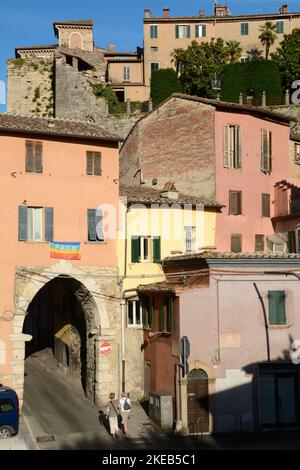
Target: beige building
{"x":163,"y":34}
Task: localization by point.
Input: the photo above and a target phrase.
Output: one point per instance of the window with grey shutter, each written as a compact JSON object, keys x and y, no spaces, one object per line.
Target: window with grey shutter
{"x":235,"y":202}
{"x":34,"y":156}
{"x":277,"y":310}
{"x":22,"y":223}
{"x":99,"y":225}
{"x":266,"y":151}
{"x":92,"y":234}
{"x":236,"y":243}
{"x":232,"y":146}
{"x":49,"y":224}
{"x":93,"y":163}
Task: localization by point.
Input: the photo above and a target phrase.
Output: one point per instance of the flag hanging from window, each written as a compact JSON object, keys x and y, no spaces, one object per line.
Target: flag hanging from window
{"x":65,"y":250}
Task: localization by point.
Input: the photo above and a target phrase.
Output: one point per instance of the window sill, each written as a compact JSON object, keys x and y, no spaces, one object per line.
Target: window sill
{"x":95,"y":243}
{"x":135,"y":327}
{"x":279,"y":327}
{"x":40,"y":242}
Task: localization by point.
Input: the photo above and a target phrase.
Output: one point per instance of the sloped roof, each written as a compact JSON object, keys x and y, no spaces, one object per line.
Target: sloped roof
{"x":54,"y":127}
{"x":211,"y":255}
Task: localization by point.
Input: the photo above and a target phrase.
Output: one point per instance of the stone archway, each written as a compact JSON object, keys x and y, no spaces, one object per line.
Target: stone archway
{"x":75,"y":41}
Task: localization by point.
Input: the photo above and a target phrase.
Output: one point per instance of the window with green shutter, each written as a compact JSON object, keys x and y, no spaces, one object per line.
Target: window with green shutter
{"x":292,"y":242}
{"x":279,"y":27}
{"x":244,"y":29}
{"x":277,"y":310}
{"x":148,"y":312}
{"x":200,"y":30}
{"x":153,"y":31}
{"x":135,"y":249}
{"x":182,"y":31}
{"x":156,"y":249}
{"x":163,"y":316}
{"x":151,"y":313}
{"x":170,"y":315}
{"x":259,"y":243}
{"x":236,"y":243}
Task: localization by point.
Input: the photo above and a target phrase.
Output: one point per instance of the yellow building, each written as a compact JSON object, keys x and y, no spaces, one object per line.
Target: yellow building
{"x":163,"y":34}
{"x":154,"y":225}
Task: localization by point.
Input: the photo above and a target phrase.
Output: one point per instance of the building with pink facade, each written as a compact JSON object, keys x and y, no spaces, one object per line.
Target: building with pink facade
{"x":233,"y":153}
{"x":58,"y":267}
{"x":239,"y":313}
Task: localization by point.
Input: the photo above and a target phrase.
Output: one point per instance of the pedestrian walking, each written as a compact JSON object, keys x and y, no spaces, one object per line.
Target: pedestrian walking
{"x":125,"y":408}
{"x":112,"y":414}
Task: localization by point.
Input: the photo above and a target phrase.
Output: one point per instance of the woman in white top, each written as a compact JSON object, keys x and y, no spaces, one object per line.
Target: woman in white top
{"x":125,"y":407}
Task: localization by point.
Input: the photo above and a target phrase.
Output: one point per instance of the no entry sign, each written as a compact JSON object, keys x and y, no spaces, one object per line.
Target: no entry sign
{"x":105,"y":348}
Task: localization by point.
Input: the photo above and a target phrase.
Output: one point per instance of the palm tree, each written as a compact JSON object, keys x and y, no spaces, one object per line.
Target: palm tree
{"x":254,"y":54}
{"x":268,"y":36}
{"x":177,"y":57}
{"x":233,"y":50}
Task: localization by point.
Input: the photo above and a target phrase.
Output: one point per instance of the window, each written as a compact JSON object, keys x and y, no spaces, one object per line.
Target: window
{"x":154,"y":49}
{"x":95,"y":225}
{"x":36,"y":224}
{"x":232,"y":147}
{"x":134,"y":313}
{"x":6,"y":405}
{"x":244,"y":29}
{"x":93,"y":163}
{"x":154,"y":66}
{"x":182,"y":31}
{"x":279,"y":27}
{"x":297,"y":153}
{"x":153,"y":31}
{"x":148,"y":312}
{"x":266,"y":205}
{"x":235,"y":202}
{"x":142,"y":250}
{"x":236,"y":243}
{"x":34,"y":157}
{"x":200,"y":30}
{"x":292,"y":242}
{"x":266,"y":151}
{"x":190,"y":239}
{"x":126,"y":74}
{"x":166,"y":315}
{"x":259,"y":243}
{"x":277,"y":311}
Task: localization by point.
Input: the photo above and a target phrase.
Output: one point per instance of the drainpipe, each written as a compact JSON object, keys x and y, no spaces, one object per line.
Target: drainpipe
{"x":178,"y":425}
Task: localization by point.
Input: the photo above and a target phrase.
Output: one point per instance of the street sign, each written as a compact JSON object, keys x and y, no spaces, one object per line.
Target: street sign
{"x":105,"y":349}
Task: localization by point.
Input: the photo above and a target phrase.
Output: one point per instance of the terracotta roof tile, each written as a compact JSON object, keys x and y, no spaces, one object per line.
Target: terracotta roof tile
{"x":209,"y":255}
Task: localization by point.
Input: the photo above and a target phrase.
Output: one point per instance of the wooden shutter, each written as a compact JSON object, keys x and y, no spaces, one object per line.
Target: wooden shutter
{"x":156,"y":250}
{"x":197,"y":31}
{"x":89,"y":163}
{"x":135,"y":249}
{"x":170,"y":315}
{"x":163,"y":325}
{"x":29,"y":156}
{"x":266,"y":205}
{"x":38,"y":157}
{"x":145,"y":314}
{"x":97,"y":164}
{"x":49,"y":224}
{"x":292,"y":242}
{"x":235,"y":202}
{"x":236,"y":243}
{"x":22,"y":223}
{"x":277,"y":311}
{"x":177,"y":31}
{"x":259,"y":243}
{"x":265,"y":150}
{"x":99,"y":224}
{"x":226,"y":131}
{"x":188,"y":31}
{"x":92,"y":234}
{"x":204,"y":30}
{"x":270,"y":151}
{"x":238,"y":147}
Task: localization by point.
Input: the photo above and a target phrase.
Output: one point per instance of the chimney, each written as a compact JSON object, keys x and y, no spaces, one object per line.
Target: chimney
{"x":111,"y":48}
{"x":147,"y":12}
{"x":221,"y":10}
{"x":166,"y":12}
{"x":284,"y":9}
{"x":201,"y":13}
{"x":169,"y":191}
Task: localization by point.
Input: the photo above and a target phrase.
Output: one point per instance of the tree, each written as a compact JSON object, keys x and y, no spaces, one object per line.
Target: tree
{"x":164,"y":82}
{"x":233,"y":50}
{"x":287,"y":57}
{"x":268,"y":36}
{"x":199,"y":65}
{"x":254,"y":54}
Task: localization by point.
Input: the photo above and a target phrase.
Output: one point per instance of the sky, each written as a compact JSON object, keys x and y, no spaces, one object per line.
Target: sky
{"x":29,"y":22}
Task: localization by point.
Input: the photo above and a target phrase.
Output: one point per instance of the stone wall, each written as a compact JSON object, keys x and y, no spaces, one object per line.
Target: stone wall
{"x":175,"y":140}
{"x":29,"y":87}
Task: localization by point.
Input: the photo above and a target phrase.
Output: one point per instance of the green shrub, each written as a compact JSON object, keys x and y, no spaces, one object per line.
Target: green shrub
{"x":164,"y":82}
{"x":110,"y":97}
{"x":260,"y":75}
{"x":19,"y":62}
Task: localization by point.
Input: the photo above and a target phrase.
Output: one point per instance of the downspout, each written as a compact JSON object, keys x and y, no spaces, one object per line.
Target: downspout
{"x":265,"y":320}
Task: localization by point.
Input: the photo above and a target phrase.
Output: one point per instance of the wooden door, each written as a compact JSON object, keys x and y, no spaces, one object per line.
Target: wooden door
{"x":198,"y":402}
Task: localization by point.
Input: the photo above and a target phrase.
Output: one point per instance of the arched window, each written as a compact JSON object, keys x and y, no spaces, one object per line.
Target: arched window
{"x":75,"y":41}
{"x":197,"y":374}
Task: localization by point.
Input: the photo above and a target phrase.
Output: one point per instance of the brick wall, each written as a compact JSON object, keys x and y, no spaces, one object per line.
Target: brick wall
{"x":175,"y":140}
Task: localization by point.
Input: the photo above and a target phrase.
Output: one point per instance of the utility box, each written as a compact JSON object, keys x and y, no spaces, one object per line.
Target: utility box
{"x":161,"y":409}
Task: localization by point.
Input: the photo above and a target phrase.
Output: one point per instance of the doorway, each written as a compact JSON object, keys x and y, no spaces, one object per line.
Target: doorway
{"x":198,"y":402}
